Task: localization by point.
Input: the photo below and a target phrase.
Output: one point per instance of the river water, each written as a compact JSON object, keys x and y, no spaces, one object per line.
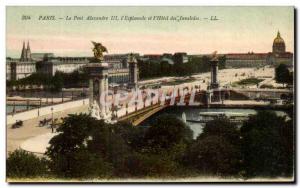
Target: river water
{"x":192,"y":113}
{"x":9,"y":108}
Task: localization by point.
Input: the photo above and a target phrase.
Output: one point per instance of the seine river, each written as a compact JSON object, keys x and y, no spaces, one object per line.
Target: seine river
{"x":193,"y":114}
{"x":9,"y":108}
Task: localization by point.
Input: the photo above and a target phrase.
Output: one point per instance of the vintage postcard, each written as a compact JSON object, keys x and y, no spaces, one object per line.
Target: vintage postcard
{"x":150,"y":94}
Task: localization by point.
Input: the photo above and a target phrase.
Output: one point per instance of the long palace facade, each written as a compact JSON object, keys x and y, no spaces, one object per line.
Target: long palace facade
{"x":48,"y":63}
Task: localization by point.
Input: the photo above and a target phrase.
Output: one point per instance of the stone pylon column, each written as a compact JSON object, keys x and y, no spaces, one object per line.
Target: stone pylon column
{"x":98,"y":88}
{"x":133,"y":72}
{"x":214,"y":73}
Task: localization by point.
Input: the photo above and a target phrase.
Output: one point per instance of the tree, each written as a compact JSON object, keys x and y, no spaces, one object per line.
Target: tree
{"x":215,"y":155}
{"x":24,"y":164}
{"x":267,"y":145}
{"x":165,"y":68}
{"x":217,"y":150}
{"x":165,"y":132}
{"x":86,"y":147}
{"x":282,"y":74}
{"x":132,"y":135}
{"x":222,"y":62}
{"x":58,"y":81}
{"x":147,"y":165}
{"x":221,"y":127}
{"x":68,"y":150}
{"x":108,"y":144}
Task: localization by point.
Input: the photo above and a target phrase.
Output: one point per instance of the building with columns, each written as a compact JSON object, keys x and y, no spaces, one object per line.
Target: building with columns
{"x":20,"y":68}
{"x":48,"y":63}
{"x":60,"y":64}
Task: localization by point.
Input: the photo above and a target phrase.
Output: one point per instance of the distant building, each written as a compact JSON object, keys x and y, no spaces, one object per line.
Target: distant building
{"x":250,"y":59}
{"x":278,"y":45}
{"x":118,"y":61}
{"x":20,"y":68}
{"x":47,"y":63}
{"x":16,"y":69}
{"x":279,"y":54}
{"x":119,"y":67}
{"x":237,"y":60}
{"x":41,"y":56}
{"x":26,"y":53}
{"x":8,"y":70}
{"x":62,"y":64}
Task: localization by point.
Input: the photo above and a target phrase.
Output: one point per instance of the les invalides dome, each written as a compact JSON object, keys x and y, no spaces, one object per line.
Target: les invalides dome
{"x":278,"y":44}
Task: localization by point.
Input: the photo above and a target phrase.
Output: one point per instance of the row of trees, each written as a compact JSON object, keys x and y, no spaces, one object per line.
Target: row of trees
{"x":90,"y":148}
{"x":150,"y":69}
{"x":78,"y":78}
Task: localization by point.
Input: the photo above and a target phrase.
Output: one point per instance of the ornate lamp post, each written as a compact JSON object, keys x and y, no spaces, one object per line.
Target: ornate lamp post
{"x":52,"y":124}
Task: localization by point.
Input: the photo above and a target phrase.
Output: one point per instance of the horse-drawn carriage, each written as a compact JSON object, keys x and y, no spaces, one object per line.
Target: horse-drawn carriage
{"x":18,"y":124}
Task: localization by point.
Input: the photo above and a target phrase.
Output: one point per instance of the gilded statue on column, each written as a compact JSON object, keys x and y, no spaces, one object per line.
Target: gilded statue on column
{"x":98,"y":50}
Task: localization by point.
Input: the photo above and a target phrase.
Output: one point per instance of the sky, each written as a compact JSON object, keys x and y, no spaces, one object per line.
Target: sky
{"x":237,"y":30}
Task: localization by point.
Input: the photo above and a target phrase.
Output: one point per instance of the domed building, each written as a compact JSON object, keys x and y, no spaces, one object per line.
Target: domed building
{"x":278,"y":56}
{"x":278,"y":44}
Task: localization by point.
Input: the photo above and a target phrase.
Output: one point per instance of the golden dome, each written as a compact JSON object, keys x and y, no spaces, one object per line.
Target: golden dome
{"x":278,"y":39}
{"x":278,"y":44}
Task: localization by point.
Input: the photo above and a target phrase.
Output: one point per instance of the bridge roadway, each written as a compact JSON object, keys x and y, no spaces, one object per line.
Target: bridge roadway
{"x":139,"y":108}
{"x":139,"y":115}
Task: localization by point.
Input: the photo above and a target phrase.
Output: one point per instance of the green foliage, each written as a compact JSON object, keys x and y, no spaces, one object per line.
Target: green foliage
{"x":283,"y":75}
{"x":263,"y":147}
{"x":221,"y":127}
{"x":166,"y":131}
{"x":87,"y":148}
{"x":22,"y":164}
{"x":58,"y":81}
{"x":217,"y":150}
{"x":132,"y":136}
{"x":180,"y":81}
{"x":267,"y":145}
{"x":78,"y":78}
{"x":215,"y":155}
{"x":146,"y":165}
{"x":250,"y":81}
{"x":108,"y":144}
{"x":269,"y":86}
{"x":151,"y":69}
{"x":68,"y":150}
{"x":79,"y":164}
